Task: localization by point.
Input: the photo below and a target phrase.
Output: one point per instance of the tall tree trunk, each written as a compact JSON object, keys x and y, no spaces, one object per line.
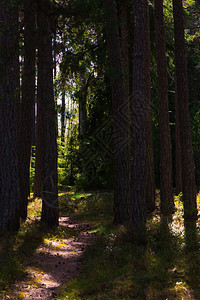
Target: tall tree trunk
{"x":9,"y":63}
{"x":125,"y":44}
{"x":39,"y":149}
{"x":63,"y":117}
{"x":187,"y":156}
{"x":33,"y":139}
{"x":82,"y":106}
{"x":149,"y":167}
{"x":27,"y":107}
{"x":140,"y":82}
{"x":124,"y":30}
{"x":46,"y":113}
{"x":120,"y":116}
{"x":179,"y":186}
{"x":166,"y":186}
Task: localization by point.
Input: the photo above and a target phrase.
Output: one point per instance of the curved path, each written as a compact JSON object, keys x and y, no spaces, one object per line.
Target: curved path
{"x":55,"y":264}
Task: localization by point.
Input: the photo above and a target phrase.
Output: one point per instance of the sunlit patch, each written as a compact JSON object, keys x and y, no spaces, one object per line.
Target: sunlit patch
{"x":182,"y":289}
{"x":51,"y":245}
{"x":34,"y":207}
{"x":22,"y":295}
{"x":40,"y":279}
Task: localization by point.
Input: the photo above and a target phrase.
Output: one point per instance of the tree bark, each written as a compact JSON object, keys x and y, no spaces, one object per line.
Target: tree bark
{"x":120,"y":106}
{"x":149,"y":168}
{"x":9,"y":93}
{"x":139,"y":105}
{"x":166,"y":186}
{"x":187,"y":156}
{"x":82,"y":106}
{"x":179,"y":186}
{"x":47,"y":118}
{"x":125,"y":44}
{"x":27,"y":107}
{"x":63,"y":117}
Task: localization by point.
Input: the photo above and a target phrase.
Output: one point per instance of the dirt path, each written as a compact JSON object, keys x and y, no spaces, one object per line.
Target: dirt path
{"x":55,"y":263}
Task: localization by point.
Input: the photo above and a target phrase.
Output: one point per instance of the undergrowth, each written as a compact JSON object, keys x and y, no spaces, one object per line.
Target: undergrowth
{"x":166,"y":266}
{"x":18,"y":248}
{"x":115,"y":267}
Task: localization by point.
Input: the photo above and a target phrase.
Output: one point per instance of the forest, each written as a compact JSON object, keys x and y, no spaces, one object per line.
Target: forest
{"x":99,"y":149}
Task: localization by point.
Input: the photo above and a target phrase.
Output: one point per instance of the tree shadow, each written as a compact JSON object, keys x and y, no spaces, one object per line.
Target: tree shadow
{"x":192,"y":257}
{"x":153,"y":263}
{"x":161,"y":261}
{"x":18,"y":249}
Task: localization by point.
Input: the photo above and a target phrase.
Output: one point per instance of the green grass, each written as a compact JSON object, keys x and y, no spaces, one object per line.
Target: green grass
{"x":17,"y":249}
{"x":115,"y":267}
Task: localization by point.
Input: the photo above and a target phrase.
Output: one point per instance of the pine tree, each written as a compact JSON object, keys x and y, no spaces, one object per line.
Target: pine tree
{"x":149,"y":164}
{"x":166,"y":186}
{"x":9,"y":93}
{"x":120,"y":105}
{"x":139,"y":105}
{"x":187,"y":156}
{"x":47,"y":129}
{"x":27,"y":107}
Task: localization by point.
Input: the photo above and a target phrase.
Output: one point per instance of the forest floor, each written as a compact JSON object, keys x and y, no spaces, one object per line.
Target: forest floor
{"x":43,"y":260}
{"x":89,"y":258}
{"x":54,"y":263}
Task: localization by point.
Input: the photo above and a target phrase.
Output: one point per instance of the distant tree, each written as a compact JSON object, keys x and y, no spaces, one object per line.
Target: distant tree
{"x":187,"y":156}
{"x":27,"y":106}
{"x":120,"y":106}
{"x":9,"y":93}
{"x":82,"y":105}
{"x":63,"y":112}
{"x":166,"y":186}
{"x":46,"y":145}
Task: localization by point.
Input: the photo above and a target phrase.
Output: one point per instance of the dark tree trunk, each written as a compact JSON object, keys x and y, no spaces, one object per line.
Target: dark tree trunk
{"x":27,"y":108}
{"x":39,"y":129}
{"x":63,"y":117}
{"x":187,"y":156}
{"x":120,"y":116}
{"x":166,"y":186}
{"x":39,"y":149}
{"x":9,"y":93}
{"x":197,"y":2}
{"x":82,"y":106}
{"x":33,"y":139}
{"x":47,"y":118}
{"x":149,"y":168}
{"x":140,"y":81}
{"x":179,"y":186}
{"x":124,"y":30}
{"x":125,"y":44}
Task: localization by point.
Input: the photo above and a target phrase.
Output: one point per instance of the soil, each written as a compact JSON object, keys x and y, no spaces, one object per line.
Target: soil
{"x":55,"y":264}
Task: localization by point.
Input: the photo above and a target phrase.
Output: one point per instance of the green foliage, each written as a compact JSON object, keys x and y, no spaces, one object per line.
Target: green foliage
{"x":88,"y":206}
{"x":63,"y":166}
